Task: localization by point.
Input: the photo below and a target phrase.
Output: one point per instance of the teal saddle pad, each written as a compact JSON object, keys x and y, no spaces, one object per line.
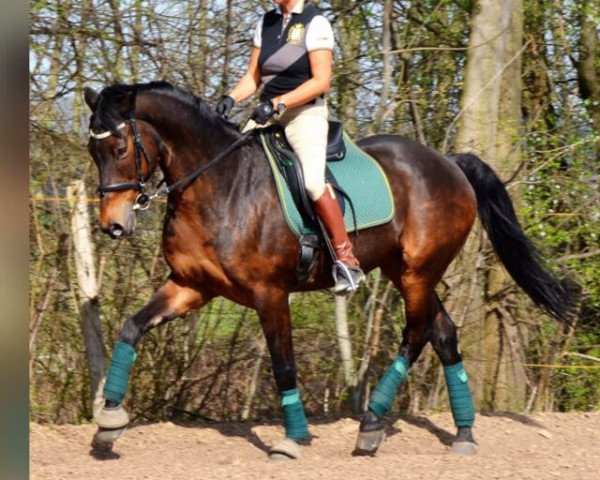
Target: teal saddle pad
{"x":358,"y":174}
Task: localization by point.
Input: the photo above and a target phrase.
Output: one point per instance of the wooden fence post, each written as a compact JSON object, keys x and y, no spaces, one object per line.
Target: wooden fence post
{"x":83,"y":251}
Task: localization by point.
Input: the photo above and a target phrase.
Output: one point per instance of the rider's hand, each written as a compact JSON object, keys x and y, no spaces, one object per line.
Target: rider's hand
{"x":224,"y":106}
{"x":263,"y":112}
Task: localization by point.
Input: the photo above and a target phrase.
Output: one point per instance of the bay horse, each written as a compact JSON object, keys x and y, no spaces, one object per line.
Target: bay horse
{"x":224,"y":235}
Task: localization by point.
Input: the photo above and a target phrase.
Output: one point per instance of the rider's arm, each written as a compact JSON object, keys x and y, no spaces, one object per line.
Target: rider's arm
{"x":319,"y":43}
{"x":250,"y":82}
{"x":320,"y":82}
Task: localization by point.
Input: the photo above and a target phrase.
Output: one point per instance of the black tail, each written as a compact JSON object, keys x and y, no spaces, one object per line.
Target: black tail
{"x":515,"y":250}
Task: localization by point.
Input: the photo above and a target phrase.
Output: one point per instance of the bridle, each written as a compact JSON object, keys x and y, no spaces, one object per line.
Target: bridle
{"x":142,"y":201}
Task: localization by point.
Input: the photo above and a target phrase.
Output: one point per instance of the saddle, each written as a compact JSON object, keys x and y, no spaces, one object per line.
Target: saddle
{"x":291,"y":169}
{"x":360,"y":182}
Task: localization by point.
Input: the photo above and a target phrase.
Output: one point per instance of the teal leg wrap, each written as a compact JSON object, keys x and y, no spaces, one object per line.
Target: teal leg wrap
{"x":461,"y":402}
{"x":118,"y":373}
{"x":296,"y":426}
{"x":384,"y":394}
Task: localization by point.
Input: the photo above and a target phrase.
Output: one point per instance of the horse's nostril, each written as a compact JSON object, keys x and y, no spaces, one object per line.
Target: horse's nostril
{"x":115,"y":230}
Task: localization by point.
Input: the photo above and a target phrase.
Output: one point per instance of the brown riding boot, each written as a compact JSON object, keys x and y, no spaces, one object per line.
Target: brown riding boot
{"x":346,"y":270}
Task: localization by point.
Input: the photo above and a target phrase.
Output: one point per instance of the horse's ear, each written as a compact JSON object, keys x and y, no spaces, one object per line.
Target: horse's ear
{"x":91,"y":97}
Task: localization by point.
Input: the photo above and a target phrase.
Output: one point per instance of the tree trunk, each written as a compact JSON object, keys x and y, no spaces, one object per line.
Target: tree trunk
{"x":510,"y":389}
{"x":386,"y":79}
{"x":588,"y":68}
{"x":227,"y":46}
{"x":80,"y":45}
{"x":344,"y":342}
{"x":347,"y":68}
{"x":115,"y":6}
{"x":198,"y":45}
{"x":44,"y":303}
{"x":135,"y":50}
{"x":480,"y":101}
{"x":83,"y":250}
{"x":254,"y":378}
{"x":478,"y":133}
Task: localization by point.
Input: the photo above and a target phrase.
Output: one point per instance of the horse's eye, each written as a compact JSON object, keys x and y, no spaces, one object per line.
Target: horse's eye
{"x":122,"y":151}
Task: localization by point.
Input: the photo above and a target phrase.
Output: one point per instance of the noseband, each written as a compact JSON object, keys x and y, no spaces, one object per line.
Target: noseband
{"x":142,"y":201}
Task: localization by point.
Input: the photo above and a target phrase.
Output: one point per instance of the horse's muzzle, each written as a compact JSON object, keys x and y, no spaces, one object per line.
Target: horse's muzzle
{"x":118,"y":230}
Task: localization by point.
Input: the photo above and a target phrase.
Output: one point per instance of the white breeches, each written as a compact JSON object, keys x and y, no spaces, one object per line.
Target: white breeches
{"x":306,"y":130}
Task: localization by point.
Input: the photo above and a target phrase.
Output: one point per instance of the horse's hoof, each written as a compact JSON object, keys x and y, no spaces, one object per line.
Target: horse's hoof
{"x":367,"y":443}
{"x":111,"y":418}
{"x":464,"y":448}
{"x":285,"y":450}
{"x":105,"y":437}
{"x":464,"y":444}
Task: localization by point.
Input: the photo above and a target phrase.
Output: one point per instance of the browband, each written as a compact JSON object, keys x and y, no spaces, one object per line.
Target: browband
{"x":101,"y":136}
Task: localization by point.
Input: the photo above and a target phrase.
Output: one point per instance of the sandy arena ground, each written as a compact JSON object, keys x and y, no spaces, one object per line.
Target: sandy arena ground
{"x":512,"y":446}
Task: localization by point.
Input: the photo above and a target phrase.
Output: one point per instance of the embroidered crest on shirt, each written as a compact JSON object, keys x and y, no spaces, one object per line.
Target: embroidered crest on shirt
{"x":295,"y":34}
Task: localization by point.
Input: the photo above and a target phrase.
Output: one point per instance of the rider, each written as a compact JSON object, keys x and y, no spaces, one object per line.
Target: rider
{"x":291,"y":57}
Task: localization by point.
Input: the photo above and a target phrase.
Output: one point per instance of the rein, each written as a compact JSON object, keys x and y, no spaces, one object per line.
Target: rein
{"x":142,"y":202}
{"x":196,"y":173}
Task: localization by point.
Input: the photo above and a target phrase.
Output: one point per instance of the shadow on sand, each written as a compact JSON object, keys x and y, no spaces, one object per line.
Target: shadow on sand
{"x":517,"y":417}
{"x":444,"y":436}
{"x":245,"y":431}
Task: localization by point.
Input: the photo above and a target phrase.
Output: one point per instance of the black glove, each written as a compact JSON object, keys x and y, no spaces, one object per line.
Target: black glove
{"x":224,"y":106}
{"x":263,"y":112}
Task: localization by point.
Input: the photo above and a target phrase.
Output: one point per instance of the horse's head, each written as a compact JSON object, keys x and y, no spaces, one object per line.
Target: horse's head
{"x":126,"y":153}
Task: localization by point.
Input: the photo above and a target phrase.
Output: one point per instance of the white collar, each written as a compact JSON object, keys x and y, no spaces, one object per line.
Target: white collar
{"x":298,"y":8}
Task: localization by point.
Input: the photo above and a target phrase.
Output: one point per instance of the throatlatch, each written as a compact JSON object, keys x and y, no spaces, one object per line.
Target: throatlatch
{"x":459,"y":393}
{"x":384,"y":394}
{"x":296,"y":425}
{"x":117,"y":379}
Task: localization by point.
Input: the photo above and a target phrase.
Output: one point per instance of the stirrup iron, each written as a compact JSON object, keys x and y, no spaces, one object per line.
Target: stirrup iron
{"x":342,"y":273}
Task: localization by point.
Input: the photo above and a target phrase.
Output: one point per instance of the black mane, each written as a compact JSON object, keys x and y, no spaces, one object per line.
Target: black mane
{"x":116,"y":104}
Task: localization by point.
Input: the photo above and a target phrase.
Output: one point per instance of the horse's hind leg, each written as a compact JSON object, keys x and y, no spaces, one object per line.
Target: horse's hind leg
{"x":274,"y":313}
{"x":172,"y":300}
{"x":420,"y":304}
{"x":444,"y":340}
{"x":426,"y":320}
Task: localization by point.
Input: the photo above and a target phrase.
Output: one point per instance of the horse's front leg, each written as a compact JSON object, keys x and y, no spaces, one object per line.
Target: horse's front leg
{"x":274,"y":312}
{"x":171,"y":300}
